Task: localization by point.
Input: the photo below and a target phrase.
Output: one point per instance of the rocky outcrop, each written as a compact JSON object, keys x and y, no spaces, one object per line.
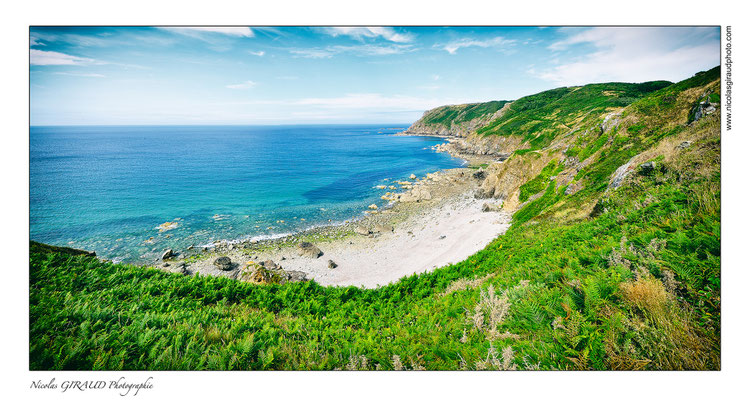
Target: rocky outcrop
{"x":46,"y":248}
{"x":436,"y":121}
{"x":307,"y":249}
{"x":167,"y":254}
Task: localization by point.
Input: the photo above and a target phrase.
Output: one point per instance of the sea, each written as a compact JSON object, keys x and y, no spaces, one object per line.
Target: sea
{"x":130,"y":192}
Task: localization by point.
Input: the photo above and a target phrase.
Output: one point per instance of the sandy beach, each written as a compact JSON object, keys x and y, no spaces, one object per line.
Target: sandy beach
{"x":433,"y":221}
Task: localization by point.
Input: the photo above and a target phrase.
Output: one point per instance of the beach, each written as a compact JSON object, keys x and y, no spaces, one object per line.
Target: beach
{"x":434,"y":221}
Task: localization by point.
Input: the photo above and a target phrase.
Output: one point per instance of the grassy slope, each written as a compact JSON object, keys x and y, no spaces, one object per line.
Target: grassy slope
{"x":445,"y":115}
{"x":541,"y":117}
{"x":635,"y":285}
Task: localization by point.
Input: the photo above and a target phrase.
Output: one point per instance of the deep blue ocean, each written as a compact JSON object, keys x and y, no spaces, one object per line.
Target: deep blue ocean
{"x":108,"y":188}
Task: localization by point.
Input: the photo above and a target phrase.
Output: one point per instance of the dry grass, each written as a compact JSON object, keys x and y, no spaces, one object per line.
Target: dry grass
{"x":464,"y":284}
{"x":676,"y":342}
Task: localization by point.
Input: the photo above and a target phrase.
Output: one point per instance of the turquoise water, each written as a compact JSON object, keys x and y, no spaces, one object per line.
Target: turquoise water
{"x":108,"y":189}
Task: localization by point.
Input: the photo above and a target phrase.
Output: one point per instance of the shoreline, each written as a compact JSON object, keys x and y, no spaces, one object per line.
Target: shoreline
{"x":433,"y":221}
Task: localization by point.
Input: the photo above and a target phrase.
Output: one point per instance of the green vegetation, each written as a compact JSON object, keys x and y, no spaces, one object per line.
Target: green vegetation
{"x":461,"y":113}
{"x":542,"y":117}
{"x":633,"y":284}
{"x":538,"y":183}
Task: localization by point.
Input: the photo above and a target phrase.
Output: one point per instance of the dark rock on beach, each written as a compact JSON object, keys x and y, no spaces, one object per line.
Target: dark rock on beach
{"x":168,"y":254}
{"x":307,"y":249}
{"x":224,"y":263}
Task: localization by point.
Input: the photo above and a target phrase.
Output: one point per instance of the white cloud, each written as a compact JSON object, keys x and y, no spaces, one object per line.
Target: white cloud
{"x":358,"y":50}
{"x":34,"y":41}
{"x":197,"y":31}
{"x":359,"y":33}
{"x":80,"y":75}
{"x":373,"y":102}
{"x":257,"y":53}
{"x":243,"y":85}
{"x":634,"y":54}
{"x":496,"y":42}
{"x":41,"y":57}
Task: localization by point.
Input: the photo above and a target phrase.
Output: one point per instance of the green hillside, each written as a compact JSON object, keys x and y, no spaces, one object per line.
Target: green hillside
{"x":445,"y":115}
{"x":541,"y":117}
{"x":612,"y":263}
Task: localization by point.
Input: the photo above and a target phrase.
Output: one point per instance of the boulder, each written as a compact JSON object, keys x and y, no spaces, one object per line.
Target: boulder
{"x":382,"y":228}
{"x":224,"y":263}
{"x":488,"y":207}
{"x":332,"y":264}
{"x":168,"y":254}
{"x":270,"y":265}
{"x":373,"y":207}
{"x":647,"y":168}
{"x":307,"y":249}
{"x":683,"y":145}
{"x":296,"y":276}
{"x":361,"y":230}
{"x":412,"y":176}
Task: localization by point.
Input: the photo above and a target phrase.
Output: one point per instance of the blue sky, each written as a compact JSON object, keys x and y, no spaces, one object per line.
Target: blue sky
{"x":296,"y":75}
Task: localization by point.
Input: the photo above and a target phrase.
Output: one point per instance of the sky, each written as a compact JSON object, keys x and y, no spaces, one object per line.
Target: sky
{"x":325,"y":75}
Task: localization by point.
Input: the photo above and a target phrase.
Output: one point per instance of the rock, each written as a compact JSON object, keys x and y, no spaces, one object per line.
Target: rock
{"x":382,"y":228}
{"x":165,"y":265}
{"x":332,"y":264}
{"x":180,"y":268}
{"x":683,"y":145}
{"x":261,"y":275}
{"x":168,"y":254}
{"x":307,"y":249}
{"x":487,"y":207}
{"x":224,"y":263}
{"x":412,"y":176}
{"x":361,"y":230}
{"x":373,"y":207}
{"x":381,"y":186}
{"x":621,"y":173}
{"x":479,"y":175}
{"x":484,"y":194}
{"x":296,"y":276}
{"x":190,"y":247}
{"x":270,"y":265}
{"x":442,"y":237}
{"x":647,"y":168}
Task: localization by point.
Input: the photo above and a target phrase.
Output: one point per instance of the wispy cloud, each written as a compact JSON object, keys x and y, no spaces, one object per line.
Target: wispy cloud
{"x":497,"y":42}
{"x":243,"y":85}
{"x":357,"y":50}
{"x":361,"y":33}
{"x":633,"y":54}
{"x":34,"y":42}
{"x":82,"y":75}
{"x":41,"y":57}
{"x":257,"y":53}
{"x":199,"y":31}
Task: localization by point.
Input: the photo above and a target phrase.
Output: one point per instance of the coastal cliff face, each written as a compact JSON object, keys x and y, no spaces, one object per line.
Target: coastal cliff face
{"x":457,"y":120}
{"x":552,"y":145}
